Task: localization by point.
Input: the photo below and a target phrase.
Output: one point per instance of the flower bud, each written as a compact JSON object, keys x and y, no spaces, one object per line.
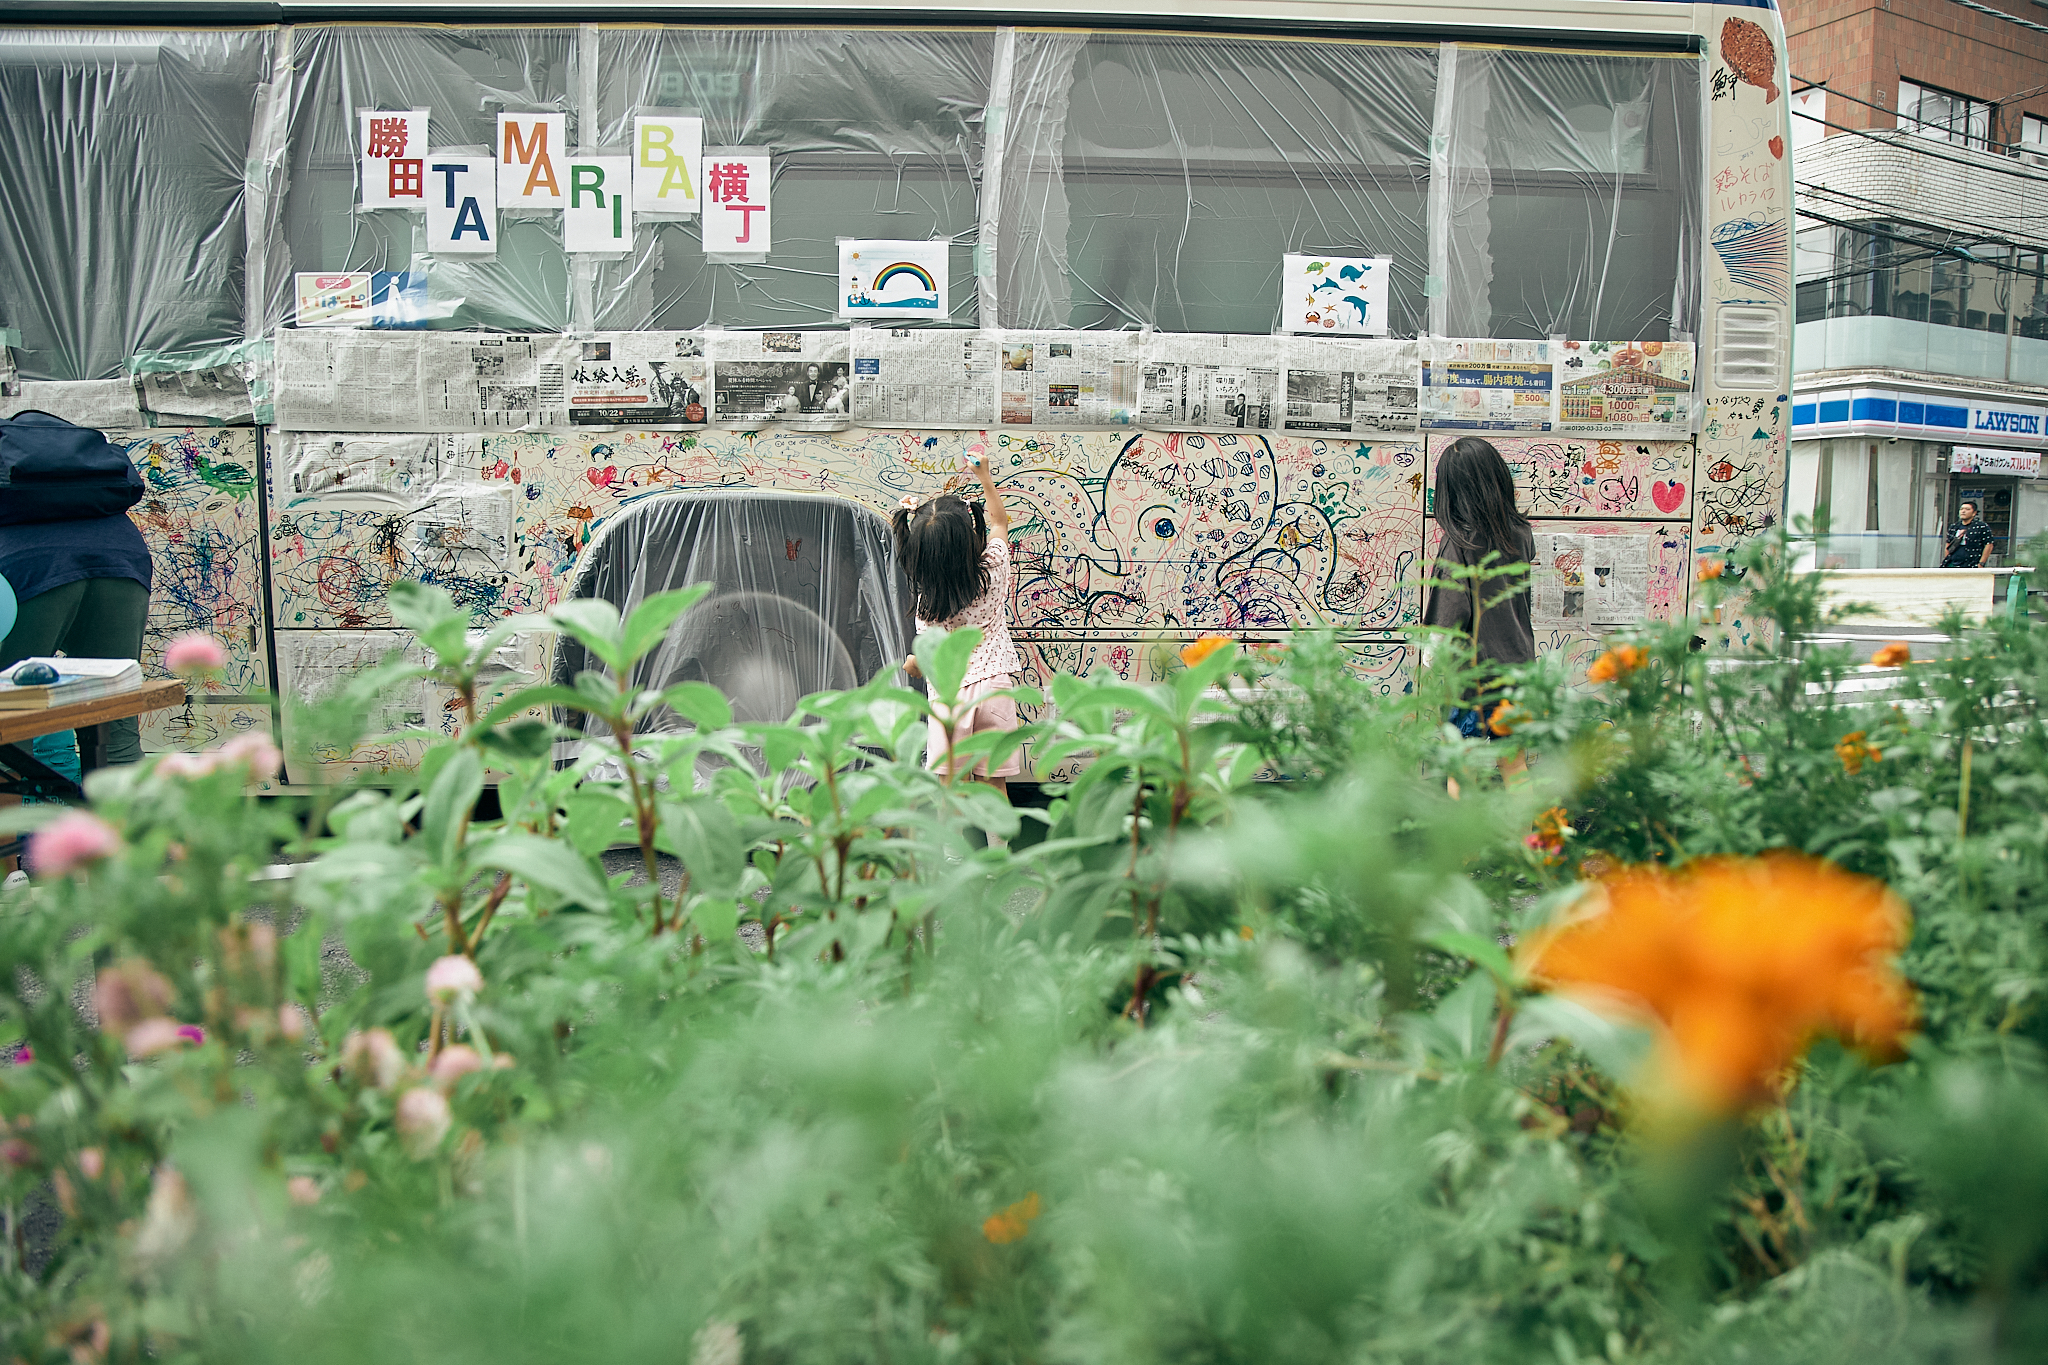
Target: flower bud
{"x":453,"y":980}
{"x":373,"y":1058}
{"x":423,"y":1120}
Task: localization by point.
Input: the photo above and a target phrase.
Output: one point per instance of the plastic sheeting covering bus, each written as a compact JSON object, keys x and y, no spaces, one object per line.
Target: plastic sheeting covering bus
{"x":806,"y":597}
{"x":123,"y":213}
{"x":162,"y":188}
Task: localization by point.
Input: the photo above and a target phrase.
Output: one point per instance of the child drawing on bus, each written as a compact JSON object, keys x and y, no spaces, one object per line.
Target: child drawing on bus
{"x":957,"y":557}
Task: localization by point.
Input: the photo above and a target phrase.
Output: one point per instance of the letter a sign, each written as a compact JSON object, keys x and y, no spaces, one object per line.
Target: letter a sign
{"x":531,"y":152}
{"x":668,"y":165}
{"x":599,"y":214}
{"x":462,"y":205}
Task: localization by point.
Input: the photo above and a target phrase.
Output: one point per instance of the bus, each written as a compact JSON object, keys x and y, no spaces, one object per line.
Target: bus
{"x":1577,"y":218}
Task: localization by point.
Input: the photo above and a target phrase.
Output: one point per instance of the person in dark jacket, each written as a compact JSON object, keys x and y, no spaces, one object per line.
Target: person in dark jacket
{"x":1475,"y":512}
{"x":83,"y":588}
{"x":1969,"y":540}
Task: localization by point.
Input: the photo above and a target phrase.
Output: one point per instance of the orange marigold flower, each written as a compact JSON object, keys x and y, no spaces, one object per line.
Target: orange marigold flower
{"x":1012,"y":1223}
{"x":1502,"y":720}
{"x":1742,"y":962}
{"x":1893,"y":655}
{"x":1854,"y":751}
{"x":1617,"y":663}
{"x":1547,"y":836}
{"x":1203,"y":648}
{"x":1712,"y":569}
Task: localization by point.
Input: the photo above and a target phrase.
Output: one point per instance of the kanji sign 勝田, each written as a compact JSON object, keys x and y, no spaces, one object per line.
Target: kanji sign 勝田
{"x":530,"y":150}
{"x":392,"y":152}
{"x":462,"y":205}
{"x":599,"y":214}
{"x":668,"y":165}
{"x":736,"y":219}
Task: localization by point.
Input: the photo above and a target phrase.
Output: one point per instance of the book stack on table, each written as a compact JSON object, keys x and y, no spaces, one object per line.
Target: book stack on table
{"x":77,"y":680}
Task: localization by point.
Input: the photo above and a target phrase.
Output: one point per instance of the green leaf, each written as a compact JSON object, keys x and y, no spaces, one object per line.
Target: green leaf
{"x":595,"y":624}
{"x":450,"y":798}
{"x":701,"y":704}
{"x":781,"y":745}
{"x":525,"y":740}
{"x":705,"y":837}
{"x":423,"y":608}
{"x":596,"y":820}
{"x":649,"y":623}
{"x":1483,"y":951}
{"x":943,"y":656}
{"x":548,"y":695}
{"x":549,"y":864}
{"x":716,"y":917}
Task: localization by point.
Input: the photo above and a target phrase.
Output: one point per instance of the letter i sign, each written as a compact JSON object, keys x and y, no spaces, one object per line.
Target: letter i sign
{"x":599,"y":212}
{"x":392,"y":153}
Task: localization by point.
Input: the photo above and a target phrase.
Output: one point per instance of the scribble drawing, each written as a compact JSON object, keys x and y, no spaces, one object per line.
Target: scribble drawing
{"x":1756,"y":252}
{"x":1587,"y":477}
{"x":199,"y":514}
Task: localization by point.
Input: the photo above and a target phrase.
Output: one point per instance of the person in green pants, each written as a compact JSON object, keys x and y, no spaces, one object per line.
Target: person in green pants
{"x":83,"y":588}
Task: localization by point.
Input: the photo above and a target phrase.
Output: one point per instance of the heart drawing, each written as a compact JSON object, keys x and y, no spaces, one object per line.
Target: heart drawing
{"x":1667,"y":496}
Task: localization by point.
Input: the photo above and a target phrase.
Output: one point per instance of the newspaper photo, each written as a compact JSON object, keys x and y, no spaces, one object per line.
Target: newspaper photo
{"x":1489,"y":385}
{"x":1626,"y":388}
{"x":1352,"y":388}
{"x":1070,"y":379}
{"x":798,"y":379}
{"x":924,"y":377}
{"x":217,"y":393}
{"x":376,"y":467}
{"x":639,"y":379}
{"x":1590,"y":580}
{"x":1210,"y":383}
{"x":419,"y":381}
{"x":464,"y":530}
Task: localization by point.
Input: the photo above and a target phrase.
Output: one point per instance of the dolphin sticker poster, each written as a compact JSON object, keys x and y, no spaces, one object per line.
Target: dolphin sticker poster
{"x":880,"y":279}
{"x":1334,"y":295}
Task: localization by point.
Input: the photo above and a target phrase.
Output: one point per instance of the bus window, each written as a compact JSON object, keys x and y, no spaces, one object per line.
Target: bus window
{"x":1579,"y":197}
{"x":1175,"y":170}
{"x":877,"y":133}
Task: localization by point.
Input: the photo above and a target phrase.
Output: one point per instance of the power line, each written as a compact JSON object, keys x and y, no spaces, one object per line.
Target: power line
{"x":1883,"y":141}
{"x":1892,"y":211}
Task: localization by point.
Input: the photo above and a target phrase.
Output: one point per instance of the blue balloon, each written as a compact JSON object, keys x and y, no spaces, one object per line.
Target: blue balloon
{"x":8,"y":608}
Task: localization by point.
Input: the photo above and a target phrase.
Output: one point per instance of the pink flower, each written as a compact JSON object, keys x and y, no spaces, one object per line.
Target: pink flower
{"x":70,"y":841}
{"x":423,"y":1120}
{"x":197,"y":653}
{"x":185,"y":765}
{"x":152,"y":1036}
{"x":455,"y":1062}
{"x":128,"y":993}
{"x":374,"y":1057}
{"x":254,"y":748}
{"x":17,"y":1152}
{"x":192,"y":1034}
{"x":291,"y":1022}
{"x":453,"y":980}
{"x":302,"y":1189}
{"x":24,"y":1055}
{"x":91,"y":1162}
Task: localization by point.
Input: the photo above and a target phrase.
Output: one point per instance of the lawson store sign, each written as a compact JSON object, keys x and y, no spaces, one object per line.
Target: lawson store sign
{"x":1929,"y":417}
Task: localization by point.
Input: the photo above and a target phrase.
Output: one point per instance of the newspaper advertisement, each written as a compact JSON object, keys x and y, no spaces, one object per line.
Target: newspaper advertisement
{"x":371,"y":466}
{"x":799,"y":379}
{"x":1070,"y":379}
{"x":1626,"y":388}
{"x":924,"y":377}
{"x":1355,"y":388}
{"x":431,"y":381}
{"x":1590,"y":580}
{"x":638,"y":379}
{"x":1489,"y":385}
{"x":1210,"y":383}
{"x":216,"y":393}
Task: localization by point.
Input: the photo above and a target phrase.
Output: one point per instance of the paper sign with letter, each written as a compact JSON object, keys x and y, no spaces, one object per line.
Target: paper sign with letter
{"x":668,"y":165}
{"x":1334,"y":295}
{"x":531,"y":150}
{"x":338,"y":300}
{"x":736,"y":201}
{"x":462,"y":205}
{"x":392,"y":149}
{"x":893,"y":279}
{"x":599,"y":216}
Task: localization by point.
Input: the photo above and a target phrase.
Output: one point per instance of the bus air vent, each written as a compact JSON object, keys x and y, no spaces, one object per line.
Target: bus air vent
{"x":1747,"y":349}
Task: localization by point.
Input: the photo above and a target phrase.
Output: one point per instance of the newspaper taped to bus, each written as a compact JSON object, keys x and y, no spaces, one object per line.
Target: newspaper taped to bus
{"x":1352,"y":387}
{"x":1590,"y":580}
{"x":1070,"y":379}
{"x":797,"y":379}
{"x":1210,"y":383}
{"x":1489,"y":385}
{"x":639,"y":379}
{"x":924,"y":377}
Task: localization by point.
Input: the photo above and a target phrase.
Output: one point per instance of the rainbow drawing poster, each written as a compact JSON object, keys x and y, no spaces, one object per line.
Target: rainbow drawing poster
{"x":879,"y":279}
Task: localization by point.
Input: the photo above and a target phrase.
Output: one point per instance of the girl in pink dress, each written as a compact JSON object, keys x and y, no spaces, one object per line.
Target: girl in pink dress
{"x":958,"y":560}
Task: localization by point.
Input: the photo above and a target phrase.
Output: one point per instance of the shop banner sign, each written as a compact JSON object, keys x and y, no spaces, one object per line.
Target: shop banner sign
{"x":2026,"y":464}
